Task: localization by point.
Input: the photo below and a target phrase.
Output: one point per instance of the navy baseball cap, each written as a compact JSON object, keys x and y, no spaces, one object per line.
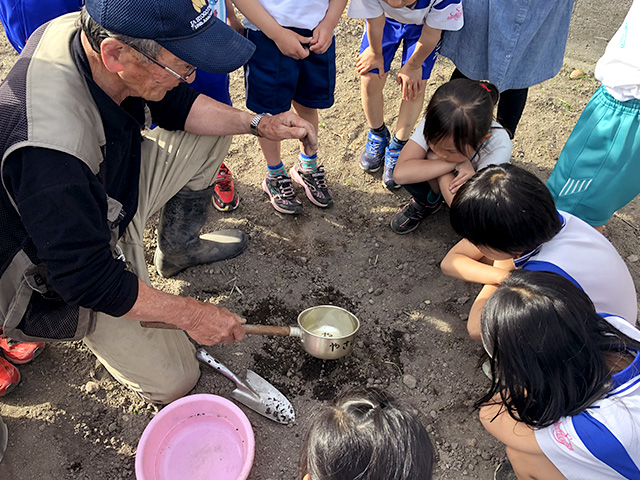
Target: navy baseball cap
{"x":187,"y":28}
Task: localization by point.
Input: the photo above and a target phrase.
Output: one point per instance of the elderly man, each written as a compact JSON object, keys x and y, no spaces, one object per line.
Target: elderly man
{"x":81,"y":178}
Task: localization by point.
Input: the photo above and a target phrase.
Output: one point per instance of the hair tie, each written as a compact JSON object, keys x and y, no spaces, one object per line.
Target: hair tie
{"x":485,"y":87}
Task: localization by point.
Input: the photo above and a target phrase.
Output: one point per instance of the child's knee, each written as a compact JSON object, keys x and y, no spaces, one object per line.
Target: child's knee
{"x":473,"y":328}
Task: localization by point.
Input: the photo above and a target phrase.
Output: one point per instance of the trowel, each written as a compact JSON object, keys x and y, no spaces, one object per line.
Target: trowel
{"x":254,"y":391}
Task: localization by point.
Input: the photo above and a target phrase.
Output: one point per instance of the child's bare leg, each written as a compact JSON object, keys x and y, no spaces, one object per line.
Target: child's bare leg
{"x":310,"y":115}
{"x":371,"y":86}
{"x":271,"y":151}
{"x":473,"y":323}
{"x":443,"y":186}
{"x":409,"y":112}
{"x":600,"y":229}
{"x":528,"y":466}
{"x":527,"y":458}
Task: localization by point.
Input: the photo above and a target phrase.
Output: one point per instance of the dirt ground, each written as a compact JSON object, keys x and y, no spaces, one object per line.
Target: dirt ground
{"x":413,"y":339}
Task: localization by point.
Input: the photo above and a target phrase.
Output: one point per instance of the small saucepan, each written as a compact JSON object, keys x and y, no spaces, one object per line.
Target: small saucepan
{"x":326,"y":332}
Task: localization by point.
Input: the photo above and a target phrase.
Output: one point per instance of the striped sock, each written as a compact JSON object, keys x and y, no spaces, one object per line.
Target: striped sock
{"x":276,"y":171}
{"x":308,"y":163}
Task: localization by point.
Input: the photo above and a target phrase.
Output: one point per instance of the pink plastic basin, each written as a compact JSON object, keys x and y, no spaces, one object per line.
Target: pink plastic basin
{"x":199,"y":437}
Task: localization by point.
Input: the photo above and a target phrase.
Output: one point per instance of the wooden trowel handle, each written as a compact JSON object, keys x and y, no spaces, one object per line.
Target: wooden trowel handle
{"x":249,"y":329}
{"x":267,"y":330}
{"x":166,"y":326}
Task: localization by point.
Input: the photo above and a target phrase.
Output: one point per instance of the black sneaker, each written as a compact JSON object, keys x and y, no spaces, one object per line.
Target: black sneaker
{"x":314,"y":184}
{"x":409,"y":218}
{"x":281,"y":194}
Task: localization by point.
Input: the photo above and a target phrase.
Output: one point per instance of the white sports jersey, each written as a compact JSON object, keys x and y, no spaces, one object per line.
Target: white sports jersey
{"x":293,"y":13}
{"x":439,"y":14}
{"x":602,"y":442}
{"x":619,"y":68}
{"x":495,"y":151}
{"x":581,"y":254}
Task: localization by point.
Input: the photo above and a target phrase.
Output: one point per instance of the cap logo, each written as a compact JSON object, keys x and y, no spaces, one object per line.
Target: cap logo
{"x":205,"y":13}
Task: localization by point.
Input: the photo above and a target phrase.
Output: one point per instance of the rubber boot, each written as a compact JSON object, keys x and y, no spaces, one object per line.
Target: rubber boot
{"x":179,"y":244}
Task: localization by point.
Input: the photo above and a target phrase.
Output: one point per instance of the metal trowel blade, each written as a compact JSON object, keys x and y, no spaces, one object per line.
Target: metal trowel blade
{"x":271,"y":402}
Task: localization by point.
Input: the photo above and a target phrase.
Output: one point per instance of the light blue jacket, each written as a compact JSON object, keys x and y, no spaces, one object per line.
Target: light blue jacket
{"x":511,"y":43}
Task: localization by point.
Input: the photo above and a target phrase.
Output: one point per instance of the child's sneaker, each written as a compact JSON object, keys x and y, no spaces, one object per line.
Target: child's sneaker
{"x":373,"y":155}
{"x":409,"y":218}
{"x":314,"y":183}
{"x":19,"y":352}
{"x":391,"y":154}
{"x":281,"y":194}
{"x":9,"y":377}
{"x":225,"y":197}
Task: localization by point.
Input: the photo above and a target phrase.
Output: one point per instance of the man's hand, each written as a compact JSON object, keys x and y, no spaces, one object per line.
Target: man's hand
{"x":410,"y":79}
{"x":289,"y":125}
{"x":206,"y":323}
{"x":291,"y":44}
{"x":212,"y":324}
{"x":368,"y":60}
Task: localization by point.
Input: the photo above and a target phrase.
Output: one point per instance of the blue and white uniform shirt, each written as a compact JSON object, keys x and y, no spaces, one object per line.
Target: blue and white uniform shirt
{"x":438,"y":14}
{"x":602,"y":442}
{"x":584,"y":256}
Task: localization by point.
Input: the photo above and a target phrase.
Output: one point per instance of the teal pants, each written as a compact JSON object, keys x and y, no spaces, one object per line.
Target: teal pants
{"x":598,"y":171}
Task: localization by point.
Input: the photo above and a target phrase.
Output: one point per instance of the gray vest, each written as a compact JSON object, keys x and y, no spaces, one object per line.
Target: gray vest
{"x":45,"y":102}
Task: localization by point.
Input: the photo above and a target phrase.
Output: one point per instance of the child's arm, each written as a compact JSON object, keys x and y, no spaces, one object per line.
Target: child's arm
{"x":232,"y":18}
{"x":415,"y":165}
{"x":288,"y":41}
{"x":372,"y":56}
{"x":464,"y":261}
{"x":523,"y":448}
{"x":323,"y":33}
{"x":410,"y":75}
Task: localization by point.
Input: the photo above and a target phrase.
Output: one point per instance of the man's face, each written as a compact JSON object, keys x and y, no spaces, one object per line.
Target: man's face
{"x":150,"y":80}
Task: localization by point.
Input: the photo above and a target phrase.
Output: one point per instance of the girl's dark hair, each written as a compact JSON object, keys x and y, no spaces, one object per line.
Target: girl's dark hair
{"x":364,"y":434}
{"x":548,"y":347}
{"x":461,"y":109}
{"x":505,"y":208}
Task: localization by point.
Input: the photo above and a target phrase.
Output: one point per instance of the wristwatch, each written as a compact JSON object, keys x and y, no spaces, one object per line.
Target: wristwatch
{"x":255,"y":121}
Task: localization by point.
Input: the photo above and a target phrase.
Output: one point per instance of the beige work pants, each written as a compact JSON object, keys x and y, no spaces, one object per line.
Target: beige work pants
{"x":160,"y":365}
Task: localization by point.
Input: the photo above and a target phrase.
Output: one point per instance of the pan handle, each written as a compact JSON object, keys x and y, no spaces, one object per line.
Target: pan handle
{"x":267,"y":330}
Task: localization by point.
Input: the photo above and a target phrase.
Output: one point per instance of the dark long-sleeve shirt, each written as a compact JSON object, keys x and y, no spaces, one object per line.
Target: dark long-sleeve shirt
{"x":63,"y":205}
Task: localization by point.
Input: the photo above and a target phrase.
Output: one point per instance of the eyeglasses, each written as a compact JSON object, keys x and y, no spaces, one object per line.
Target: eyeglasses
{"x":185,"y":79}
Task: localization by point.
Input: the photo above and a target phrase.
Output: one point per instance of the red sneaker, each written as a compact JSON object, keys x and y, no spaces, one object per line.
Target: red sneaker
{"x":19,"y":352}
{"x":225,"y":197}
{"x":9,"y":377}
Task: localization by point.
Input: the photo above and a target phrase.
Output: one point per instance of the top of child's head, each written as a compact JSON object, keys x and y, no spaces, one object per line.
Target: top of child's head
{"x":549,"y":348}
{"x":505,"y":210}
{"x":460,"y":112}
{"x":366,"y":434}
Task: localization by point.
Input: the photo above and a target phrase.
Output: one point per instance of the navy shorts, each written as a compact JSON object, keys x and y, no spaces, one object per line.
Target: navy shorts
{"x":273,"y":80}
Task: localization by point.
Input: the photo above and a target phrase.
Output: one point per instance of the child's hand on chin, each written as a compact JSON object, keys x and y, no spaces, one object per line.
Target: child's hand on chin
{"x":463,"y":172}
